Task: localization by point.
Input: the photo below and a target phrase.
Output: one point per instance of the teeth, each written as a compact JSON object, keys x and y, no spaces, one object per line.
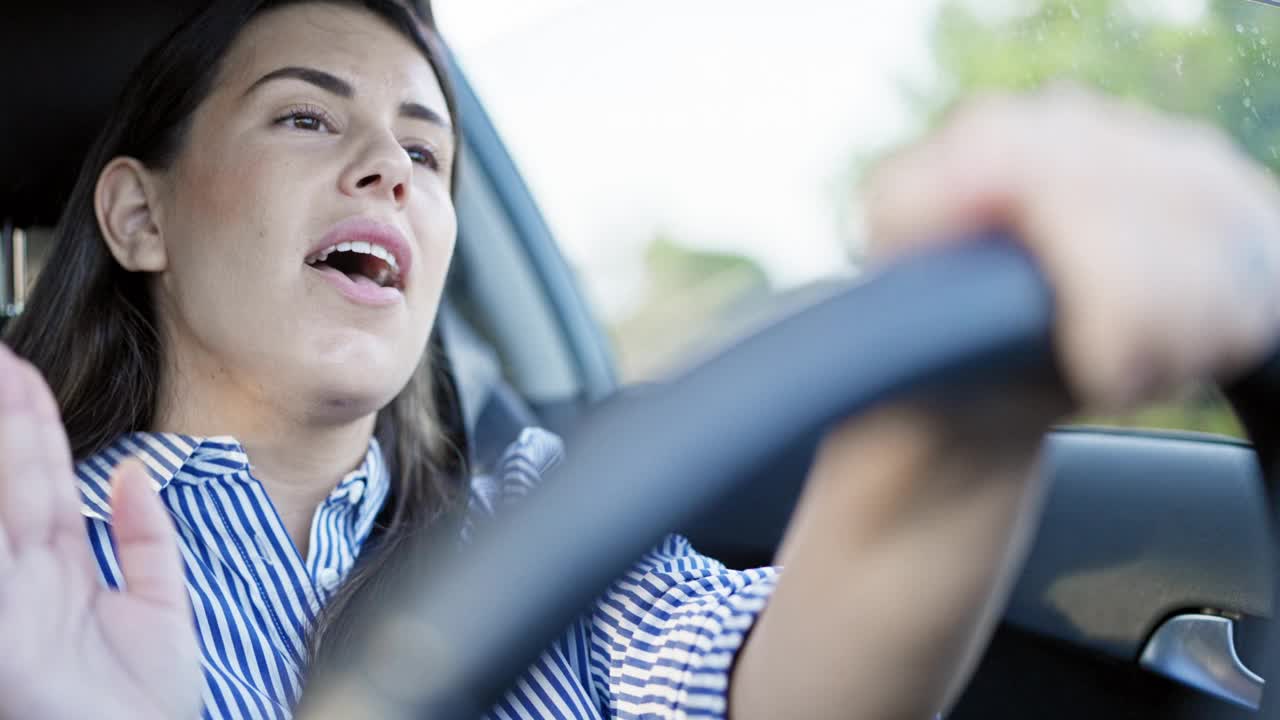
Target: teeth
{"x":358,"y":246}
{"x":381,"y":252}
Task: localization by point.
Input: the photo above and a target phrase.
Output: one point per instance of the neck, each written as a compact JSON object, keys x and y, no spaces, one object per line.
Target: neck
{"x":298,"y":458}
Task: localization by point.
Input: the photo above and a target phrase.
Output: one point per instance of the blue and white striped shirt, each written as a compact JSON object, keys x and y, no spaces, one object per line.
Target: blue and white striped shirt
{"x":659,"y":643}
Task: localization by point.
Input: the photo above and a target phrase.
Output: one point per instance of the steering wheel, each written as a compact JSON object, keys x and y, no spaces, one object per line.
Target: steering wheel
{"x":452,"y":640}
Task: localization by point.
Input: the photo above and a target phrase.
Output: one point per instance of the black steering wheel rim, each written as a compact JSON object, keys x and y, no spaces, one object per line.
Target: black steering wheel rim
{"x":452,"y":641}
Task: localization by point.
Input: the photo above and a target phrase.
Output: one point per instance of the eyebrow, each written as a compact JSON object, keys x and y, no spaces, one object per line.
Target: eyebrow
{"x":319,"y":78}
{"x":424,"y":113}
{"x":342,"y":88}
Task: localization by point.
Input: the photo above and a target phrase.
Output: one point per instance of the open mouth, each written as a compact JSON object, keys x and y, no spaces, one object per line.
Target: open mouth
{"x":362,"y":262}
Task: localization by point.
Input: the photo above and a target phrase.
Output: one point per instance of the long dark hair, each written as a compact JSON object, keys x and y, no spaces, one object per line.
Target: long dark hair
{"x":90,"y":326}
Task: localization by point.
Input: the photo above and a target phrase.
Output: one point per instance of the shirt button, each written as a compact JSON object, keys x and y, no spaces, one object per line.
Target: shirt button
{"x":355,"y":493}
{"x":328,"y":578}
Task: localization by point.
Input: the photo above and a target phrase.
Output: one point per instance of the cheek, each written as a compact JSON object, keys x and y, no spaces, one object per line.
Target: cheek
{"x":225,"y":261}
{"x":436,"y":225}
{"x":232,"y":211}
{"x":227,"y":185}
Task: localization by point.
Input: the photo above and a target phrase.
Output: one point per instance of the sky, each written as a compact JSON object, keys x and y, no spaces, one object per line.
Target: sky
{"x":727,"y":124}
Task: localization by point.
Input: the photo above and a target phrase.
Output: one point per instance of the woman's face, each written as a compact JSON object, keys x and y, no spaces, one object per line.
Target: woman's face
{"x":325,"y":127}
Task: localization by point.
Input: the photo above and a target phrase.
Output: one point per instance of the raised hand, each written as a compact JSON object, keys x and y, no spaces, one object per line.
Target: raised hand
{"x":69,"y":647}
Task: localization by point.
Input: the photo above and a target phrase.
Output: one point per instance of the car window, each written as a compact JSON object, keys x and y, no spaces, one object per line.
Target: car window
{"x":699,"y":162}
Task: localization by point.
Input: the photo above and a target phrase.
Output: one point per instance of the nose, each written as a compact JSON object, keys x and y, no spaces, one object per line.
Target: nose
{"x":382,"y":169}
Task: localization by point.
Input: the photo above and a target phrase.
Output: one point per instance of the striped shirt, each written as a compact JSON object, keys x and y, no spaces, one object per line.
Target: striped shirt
{"x":658,"y":643}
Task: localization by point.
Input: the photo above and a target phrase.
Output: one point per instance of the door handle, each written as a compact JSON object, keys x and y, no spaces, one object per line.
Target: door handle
{"x":1200,"y":651}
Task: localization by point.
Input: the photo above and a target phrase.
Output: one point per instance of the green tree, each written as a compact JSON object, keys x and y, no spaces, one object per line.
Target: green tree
{"x":1221,"y":67}
{"x":692,"y":299}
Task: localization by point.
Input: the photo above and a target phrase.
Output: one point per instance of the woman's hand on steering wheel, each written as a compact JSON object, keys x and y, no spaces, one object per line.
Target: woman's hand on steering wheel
{"x":1160,"y":237}
{"x":72,"y":648}
{"x":1161,"y":241}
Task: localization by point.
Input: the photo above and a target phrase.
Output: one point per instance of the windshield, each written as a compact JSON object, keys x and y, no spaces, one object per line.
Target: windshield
{"x":699,"y":163}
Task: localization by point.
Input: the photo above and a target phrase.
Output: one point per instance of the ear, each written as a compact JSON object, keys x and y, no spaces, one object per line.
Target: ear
{"x":126,"y":203}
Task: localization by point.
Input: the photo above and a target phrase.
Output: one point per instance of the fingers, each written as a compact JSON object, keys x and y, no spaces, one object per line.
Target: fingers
{"x":36,"y":484}
{"x":6,"y":558}
{"x":984,"y":164}
{"x":56,"y":450}
{"x":956,"y":182}
{"x":1133,"y":217}
{"x":145,"y":539}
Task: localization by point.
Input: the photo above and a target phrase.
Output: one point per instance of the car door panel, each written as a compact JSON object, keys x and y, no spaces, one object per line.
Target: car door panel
{"x":1137,"y":528}
{"x":1027,"y":675}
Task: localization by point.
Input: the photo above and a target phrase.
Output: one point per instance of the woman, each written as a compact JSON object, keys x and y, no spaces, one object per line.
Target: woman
{"x":235,"y":329}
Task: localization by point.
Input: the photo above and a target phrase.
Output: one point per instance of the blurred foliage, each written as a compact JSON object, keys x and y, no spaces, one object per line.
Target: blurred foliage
{"x":1199,"y":409}
{"x":1221,"y":66}
{"x":691,"y":295}
{"x":1217,"y":66}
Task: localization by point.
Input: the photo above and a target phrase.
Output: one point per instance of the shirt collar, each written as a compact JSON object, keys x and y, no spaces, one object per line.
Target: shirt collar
{"x":365,"y":489}
{"x":172,"y":458}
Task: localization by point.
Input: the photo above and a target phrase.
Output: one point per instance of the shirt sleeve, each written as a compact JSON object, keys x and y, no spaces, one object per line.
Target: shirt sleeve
{"x":665,"y":635}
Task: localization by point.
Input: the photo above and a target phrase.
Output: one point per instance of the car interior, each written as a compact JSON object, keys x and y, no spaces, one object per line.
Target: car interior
{"x":1148,"y":588}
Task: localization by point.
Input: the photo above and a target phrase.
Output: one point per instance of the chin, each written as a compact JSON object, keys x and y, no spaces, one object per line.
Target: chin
{"x":350,"y":403}
{"x":350,"y":391}
{"x":353,"y":373}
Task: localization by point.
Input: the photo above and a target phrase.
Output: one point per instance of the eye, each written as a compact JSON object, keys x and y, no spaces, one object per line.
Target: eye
{"x":306,"y":118}
{"x":423,"y":155}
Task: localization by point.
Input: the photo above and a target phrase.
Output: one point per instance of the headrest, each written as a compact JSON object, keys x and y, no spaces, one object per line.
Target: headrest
{"x":63,"y":62}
